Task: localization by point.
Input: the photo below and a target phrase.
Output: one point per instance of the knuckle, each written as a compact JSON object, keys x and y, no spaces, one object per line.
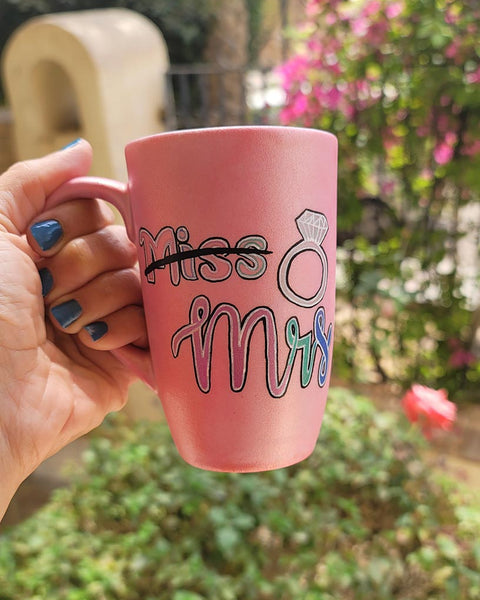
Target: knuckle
{"x":26,"y":180}
{"x":114,"y":241}
{"x":79,"y":251}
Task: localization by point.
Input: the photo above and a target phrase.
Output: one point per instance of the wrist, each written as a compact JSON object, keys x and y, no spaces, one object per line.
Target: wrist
{"x":11,"y":479}
{"x":7,"y":492}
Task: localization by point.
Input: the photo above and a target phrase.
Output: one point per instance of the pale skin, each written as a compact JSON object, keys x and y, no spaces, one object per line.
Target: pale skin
{"x":57,"y":383}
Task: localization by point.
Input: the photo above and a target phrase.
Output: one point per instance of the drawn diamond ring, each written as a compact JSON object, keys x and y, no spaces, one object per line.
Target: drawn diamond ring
{"x":313,"y":227}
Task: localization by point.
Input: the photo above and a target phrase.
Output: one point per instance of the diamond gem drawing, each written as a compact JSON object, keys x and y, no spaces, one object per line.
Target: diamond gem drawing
{"x":313,"y":226}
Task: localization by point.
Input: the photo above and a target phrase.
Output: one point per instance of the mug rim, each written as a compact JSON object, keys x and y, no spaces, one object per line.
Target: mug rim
{"x":221,"y":130}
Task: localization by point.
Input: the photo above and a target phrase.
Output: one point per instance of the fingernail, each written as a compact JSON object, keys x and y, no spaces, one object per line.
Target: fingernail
{"x":47,"y":281}
{"x":47,"y":233}
{"x":67,"y":312}
{"x":71,"y":144}
{"x":96,"y":330}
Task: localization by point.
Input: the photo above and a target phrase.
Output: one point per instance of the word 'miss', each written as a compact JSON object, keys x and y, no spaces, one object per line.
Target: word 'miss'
{"x":210,"y":261}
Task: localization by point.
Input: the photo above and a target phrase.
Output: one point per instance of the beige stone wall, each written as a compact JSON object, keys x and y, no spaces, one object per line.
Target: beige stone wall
{"x":97,"y":74}
{"x":7,"y":155}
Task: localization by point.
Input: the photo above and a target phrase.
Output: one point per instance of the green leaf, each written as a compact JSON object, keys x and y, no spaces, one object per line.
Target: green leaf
{"x":228,"y":538}
{"x":448,"y":547}
{"x":185,"y":595}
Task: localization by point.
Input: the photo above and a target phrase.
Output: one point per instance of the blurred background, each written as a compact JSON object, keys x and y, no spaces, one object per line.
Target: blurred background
{"x":398,"y":81}
{"x":222,"y":56}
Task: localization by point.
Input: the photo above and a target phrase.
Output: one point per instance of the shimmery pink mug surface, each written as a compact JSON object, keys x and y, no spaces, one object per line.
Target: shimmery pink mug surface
{"x":236,"y":235}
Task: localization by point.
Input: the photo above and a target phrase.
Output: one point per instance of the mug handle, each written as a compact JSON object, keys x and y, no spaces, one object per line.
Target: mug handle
{"x":137,"y":360}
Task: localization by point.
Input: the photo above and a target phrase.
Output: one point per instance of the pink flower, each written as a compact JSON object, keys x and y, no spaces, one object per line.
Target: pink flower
{"x":427,"y":174}
{"x":315,"y":46}
{"x":442,"y":122}
{"x":387,"y":188}
{"x":371,"y":8}
{"x":472,"y":149}
{"x":455,"y":51}
{"x":359,"y":26}
{"x":300,"y":105}
{"x":296,"y":108}
{"x":473,"y":77}
{"x":313,"y":8}
{"x":423,"y":131}
{"x":452,"y":49}
{"x":430,"y":408}
{"x":445,"y":100}
{"x":461,"y":358}
{"x":451,"y":138}
{"x":443,"y":153}
{"x":377,"y":32}
{"x":331,"y":19}
{"x":333,"y":97}
{"x":394,"y":9}
{"x":294,"y":69}
{"x":450,"y":17}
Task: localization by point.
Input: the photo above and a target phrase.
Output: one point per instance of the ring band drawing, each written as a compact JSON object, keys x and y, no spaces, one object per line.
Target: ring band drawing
{"x":313,"y":227}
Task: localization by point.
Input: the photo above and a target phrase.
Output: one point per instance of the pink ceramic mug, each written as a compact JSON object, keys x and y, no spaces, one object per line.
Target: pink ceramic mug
{"x":236,"y":235}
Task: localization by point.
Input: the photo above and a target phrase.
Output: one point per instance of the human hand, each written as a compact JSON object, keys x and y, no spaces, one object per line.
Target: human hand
{"x":71,"y":263}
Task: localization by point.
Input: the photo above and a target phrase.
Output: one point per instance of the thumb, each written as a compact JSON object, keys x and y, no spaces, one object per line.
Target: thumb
{"x":26,"y":185}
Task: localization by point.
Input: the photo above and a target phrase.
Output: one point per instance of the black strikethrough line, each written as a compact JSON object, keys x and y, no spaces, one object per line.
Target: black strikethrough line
{"x":179,"y":256}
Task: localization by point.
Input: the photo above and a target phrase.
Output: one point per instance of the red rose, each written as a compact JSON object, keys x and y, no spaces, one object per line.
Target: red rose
{"x":430,"y":408}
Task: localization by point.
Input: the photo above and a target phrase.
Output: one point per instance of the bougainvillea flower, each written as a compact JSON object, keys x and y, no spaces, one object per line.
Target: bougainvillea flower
{"x":443,"y":153}
{"x":460,"y":358}
{"x":430,"y":408}
{"x":394,"y":9}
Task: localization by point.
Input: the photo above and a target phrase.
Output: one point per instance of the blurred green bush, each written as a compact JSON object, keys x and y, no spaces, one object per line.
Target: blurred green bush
{"x":362,"y":518}
{"x":397,"y":81}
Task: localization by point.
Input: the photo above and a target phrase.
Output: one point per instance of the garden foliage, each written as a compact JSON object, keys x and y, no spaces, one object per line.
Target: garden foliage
{"x":398,"y":82}
{"x":362,"y":518}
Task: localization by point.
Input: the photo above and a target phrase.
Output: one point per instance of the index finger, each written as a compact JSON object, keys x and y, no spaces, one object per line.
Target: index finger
{"x":54,"y":228}
{"x":26,"y":185}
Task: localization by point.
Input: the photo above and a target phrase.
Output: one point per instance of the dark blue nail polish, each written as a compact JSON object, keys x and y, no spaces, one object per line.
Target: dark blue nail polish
{"x":47,"y":281}
{"x":67,"y":313}
{"x":71,"y":144}
{"x":47,"y":233}
{"x":96,"y":330}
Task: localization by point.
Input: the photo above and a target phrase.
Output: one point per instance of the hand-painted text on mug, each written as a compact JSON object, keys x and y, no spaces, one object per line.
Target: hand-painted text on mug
{"x":201,"y":329}
{"x":214,"y":261}
{"x":209,"y":261}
